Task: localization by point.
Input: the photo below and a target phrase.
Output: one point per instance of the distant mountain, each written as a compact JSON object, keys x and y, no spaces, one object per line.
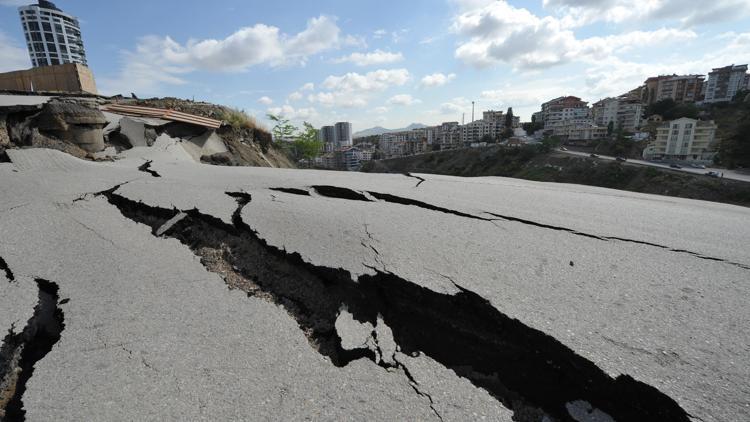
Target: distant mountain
{"x":378,"y":130}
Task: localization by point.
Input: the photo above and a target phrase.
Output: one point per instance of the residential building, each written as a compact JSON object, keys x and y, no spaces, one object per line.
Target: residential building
{"x":343,"y":134}
{"x":579,"y":130}
{"x":680,"y":88}
{"x":52,"y":36}
{"x":556,"y":111}
{"x":724,"y":83}
{"x":398,"y":144}
{"x":478,"y":129}
{"x":327,"y":135}
{"x":683,"y":139}
{"x":625,"y":112}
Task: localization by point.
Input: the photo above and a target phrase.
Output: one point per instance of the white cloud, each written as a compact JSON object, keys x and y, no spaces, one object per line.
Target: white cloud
{"x":158,"y":60}
{"x":12,"y":55}
{"x":295,"y":96}
{"x":379,"y":33}
{"x":292,"y":113}
{"x":354,"y":41}
{"x":308,"y":87}
{"x":453,"y":109}
{"x":339,"y":99}
{"x":380,"y":110}
{"x":353,"y":90}
{"x":265,"y":100}
{"x":501,"y":33}
{"x":376,"y":57}
{"x":688,"y":12}
{"x":377,"y":80}
{"x":403,"y":100}
{"x":437,"y":79}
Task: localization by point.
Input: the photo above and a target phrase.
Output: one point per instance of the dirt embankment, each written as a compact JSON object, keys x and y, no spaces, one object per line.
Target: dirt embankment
{"x":530,"y":164}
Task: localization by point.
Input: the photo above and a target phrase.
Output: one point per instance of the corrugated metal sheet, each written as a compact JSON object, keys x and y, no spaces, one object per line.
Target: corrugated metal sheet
{"x":177,"y":116}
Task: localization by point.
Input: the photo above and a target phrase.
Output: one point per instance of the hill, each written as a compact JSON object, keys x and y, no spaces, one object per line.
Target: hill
{"x":531,"y":164}
{"x":378,"y":130}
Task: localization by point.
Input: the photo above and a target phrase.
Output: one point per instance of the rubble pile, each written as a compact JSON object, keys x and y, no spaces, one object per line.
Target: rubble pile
{"x":78,"y":126}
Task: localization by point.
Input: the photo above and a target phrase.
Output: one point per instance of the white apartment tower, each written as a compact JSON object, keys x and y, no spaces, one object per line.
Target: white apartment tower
{"x":52,"y":36}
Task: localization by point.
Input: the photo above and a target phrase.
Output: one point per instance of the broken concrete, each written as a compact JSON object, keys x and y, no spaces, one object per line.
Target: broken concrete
{"x":74,"y":122}
{"x":140,"y":131}
{"x":208,"y":277}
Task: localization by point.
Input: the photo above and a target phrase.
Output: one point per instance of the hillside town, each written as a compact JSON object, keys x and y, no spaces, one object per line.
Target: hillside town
{"x":567,"y":119}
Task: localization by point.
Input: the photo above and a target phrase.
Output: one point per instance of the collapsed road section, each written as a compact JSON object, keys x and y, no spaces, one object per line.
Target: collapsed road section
{"x":520,"y":366}
{"x":22,"y":350}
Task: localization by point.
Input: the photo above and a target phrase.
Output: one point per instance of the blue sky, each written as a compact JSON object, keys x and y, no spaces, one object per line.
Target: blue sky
{"x":391,"y":63}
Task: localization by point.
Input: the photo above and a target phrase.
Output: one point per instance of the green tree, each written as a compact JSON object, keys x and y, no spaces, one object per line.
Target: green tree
{"x":306,"y":143}
{"x":282,"y":129}
{"x":610,"y":128}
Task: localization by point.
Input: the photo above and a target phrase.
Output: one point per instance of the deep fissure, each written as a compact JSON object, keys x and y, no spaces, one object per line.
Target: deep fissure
{"x":520,"y":366}
{"x":6,"y":269}
{"x":413,"y":202}
{"x":146,"y":168}
{"x":21,"y":351}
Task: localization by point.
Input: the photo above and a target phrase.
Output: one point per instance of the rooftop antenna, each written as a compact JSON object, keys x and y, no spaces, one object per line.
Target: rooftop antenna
{"x":472,"y":111}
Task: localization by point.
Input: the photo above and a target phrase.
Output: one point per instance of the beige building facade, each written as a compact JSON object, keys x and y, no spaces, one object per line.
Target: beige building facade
{"x":66,"y":78}
{"x":683,"y":139}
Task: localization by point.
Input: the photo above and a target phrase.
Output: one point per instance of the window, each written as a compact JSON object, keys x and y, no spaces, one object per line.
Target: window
{"x":46,"y":26}
{"x":58,"y":29}
{"x":34,"y":26}
{"x":49,"y":37}
{"x":51,"y":47}
{"x":36,"y":36}
{"x":38,"y":46}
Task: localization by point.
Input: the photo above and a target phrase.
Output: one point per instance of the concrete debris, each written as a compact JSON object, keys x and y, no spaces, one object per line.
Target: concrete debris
{"x":74,"y":122}
{"x":78,"y":127}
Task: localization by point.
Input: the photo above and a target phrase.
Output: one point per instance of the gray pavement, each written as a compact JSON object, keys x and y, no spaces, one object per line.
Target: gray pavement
{"x":613,"y":283}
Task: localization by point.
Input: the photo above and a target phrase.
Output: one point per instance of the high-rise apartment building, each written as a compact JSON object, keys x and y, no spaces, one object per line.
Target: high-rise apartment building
{"x":724,"y":83}
{"x":624,"y":112}
{"x":52,"y":36}
{"x":343,"y":134}
{"x":681,"y":88}
{"x":557,"y":111}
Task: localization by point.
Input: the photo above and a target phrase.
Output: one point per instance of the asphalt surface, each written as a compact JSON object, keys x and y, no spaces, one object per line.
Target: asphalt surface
{"x":728,"y":174}
{"x":646,"y":286}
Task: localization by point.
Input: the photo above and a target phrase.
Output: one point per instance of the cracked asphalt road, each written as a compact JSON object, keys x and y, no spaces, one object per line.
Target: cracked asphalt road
{"x":151,"y":333}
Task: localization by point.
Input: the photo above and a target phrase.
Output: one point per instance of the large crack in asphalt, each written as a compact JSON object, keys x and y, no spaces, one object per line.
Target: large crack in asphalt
{"x":393,"y":199}
{"x":520,"y":366}
{"x":6,"y":269}
{"x":421,"y":179}
{"x":146,"y":168}
{"x":20,"y":352}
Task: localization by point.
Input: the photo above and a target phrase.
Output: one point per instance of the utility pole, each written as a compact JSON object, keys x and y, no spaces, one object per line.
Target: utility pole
{"x":472,"y":111}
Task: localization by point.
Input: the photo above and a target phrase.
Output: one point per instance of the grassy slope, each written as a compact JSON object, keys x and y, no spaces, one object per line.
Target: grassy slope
{"x":555,"y":167}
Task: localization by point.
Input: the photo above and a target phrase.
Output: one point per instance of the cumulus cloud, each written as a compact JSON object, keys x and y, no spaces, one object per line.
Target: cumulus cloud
{"x":296,"y":96}
{"x":501,"y":33}
{"x":376,"y":57}
{"x":452,"y":109}
{"x":437,"y":79}
{"x":380,"y":110}
{"x":265,"y":100}
{"x":377,"y":80}
{"x":292,"y":113}
{"x":308,"y":87}
{"x":379,"y":33}
{"x":161,"y":60}
{"x":403,"y":100}
{"x":688,"y":12}
{"x":12,"y":55}
{"x":353,"y":90}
